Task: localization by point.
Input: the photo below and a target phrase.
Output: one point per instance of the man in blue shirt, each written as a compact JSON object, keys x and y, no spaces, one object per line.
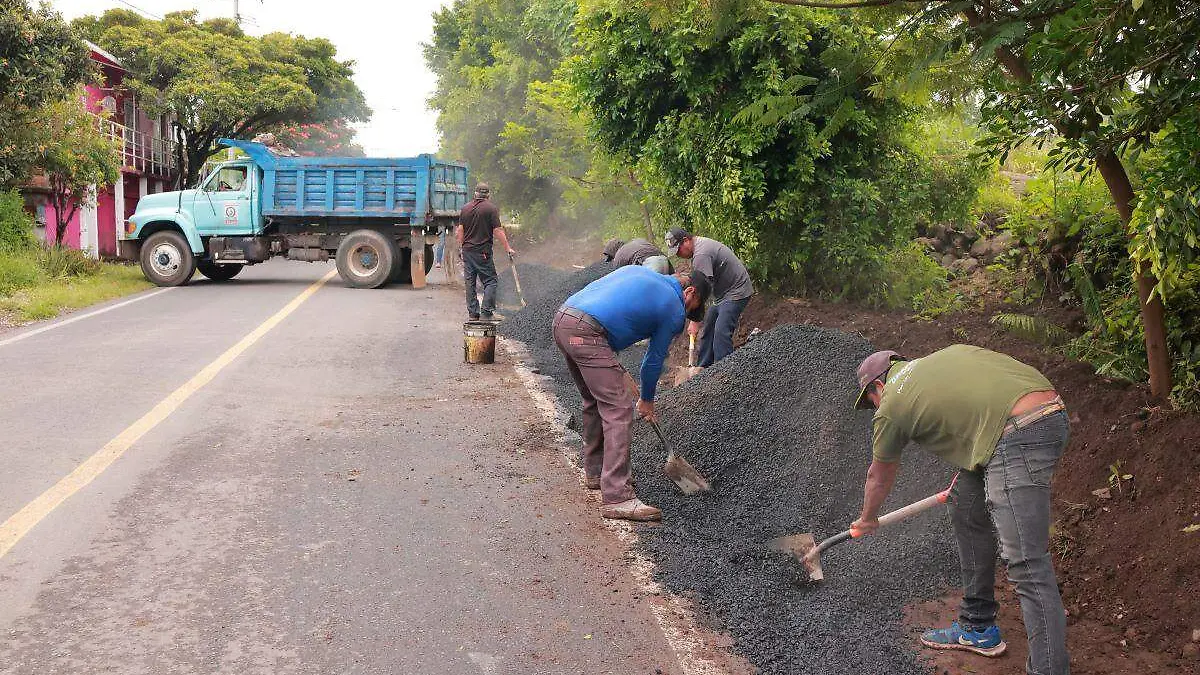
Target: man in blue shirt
{"x":628,"y":305}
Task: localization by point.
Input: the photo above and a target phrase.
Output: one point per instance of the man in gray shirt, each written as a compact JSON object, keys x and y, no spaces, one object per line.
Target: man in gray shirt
{"x":731,"y":290}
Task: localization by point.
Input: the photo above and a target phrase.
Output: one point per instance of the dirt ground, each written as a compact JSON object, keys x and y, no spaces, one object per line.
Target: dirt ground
{"x":1130,"y":576}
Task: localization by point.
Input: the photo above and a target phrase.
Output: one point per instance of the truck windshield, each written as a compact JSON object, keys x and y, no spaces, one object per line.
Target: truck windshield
{"x":227,"y":179}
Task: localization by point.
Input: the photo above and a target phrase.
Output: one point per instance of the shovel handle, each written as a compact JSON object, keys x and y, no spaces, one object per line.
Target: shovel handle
{"x":910,"y":510}
{"x":661,"y":437}
{"x":691,"y":350}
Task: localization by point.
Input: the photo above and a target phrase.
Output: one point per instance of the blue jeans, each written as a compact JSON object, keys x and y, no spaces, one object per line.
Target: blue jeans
{"x":480,"y":265}
{"x":1011,"y":497}
{"x":716,"y":340}
{"x":439,"y":249}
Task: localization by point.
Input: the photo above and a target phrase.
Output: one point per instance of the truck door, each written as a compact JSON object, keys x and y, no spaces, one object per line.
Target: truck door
{"x":223,"y":205}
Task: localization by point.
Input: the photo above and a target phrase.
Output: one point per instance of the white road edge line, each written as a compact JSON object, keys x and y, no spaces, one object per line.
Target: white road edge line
{"x":81,"y":317}
{"x":674,"y":616}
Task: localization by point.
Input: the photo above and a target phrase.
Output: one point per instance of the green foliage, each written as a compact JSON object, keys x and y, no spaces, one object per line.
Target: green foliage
{"x":1058,"y":206}
{"x":16,"y":226}
{"x":907,"y":278}
{"x":75,"y":156}
{"x":219,"y":82}
{"x":1033,"y":328}
{"x":41,"y":59}
{"x":61,"y":263}
{"x":1165,"y":227}
{"x":503,"y":106}
{"x":761,"y":130}
{"x":17,"y":271}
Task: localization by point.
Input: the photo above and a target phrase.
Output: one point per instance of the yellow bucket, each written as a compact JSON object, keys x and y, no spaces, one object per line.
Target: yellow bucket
{"x":479,"y":342}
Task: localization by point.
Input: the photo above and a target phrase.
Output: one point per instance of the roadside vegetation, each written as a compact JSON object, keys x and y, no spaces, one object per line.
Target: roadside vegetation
{"x":39,"y":282}
{"x":894,"y":156}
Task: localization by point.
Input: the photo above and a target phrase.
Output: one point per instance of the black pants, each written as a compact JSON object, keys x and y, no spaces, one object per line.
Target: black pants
{"x":480,"y":265}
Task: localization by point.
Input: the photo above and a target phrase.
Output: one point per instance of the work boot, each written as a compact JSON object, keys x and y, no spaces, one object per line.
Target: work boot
{"x":473,"y":317}
{"x":983,"y":640}
{"x":591,"y":483}
{"x":631,"y":509}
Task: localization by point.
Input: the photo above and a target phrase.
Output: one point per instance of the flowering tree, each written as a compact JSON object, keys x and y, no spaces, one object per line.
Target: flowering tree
{"x":328,"y":139}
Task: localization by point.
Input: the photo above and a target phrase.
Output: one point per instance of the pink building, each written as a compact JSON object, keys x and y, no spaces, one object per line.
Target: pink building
{"x":147,"y":159}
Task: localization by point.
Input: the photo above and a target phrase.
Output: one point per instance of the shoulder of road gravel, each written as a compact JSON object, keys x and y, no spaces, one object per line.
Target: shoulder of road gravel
{"x":1128,"y":570}
{"x":51,"y":297}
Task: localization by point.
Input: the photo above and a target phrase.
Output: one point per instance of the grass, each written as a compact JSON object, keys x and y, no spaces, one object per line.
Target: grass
{"x":37,"y":285}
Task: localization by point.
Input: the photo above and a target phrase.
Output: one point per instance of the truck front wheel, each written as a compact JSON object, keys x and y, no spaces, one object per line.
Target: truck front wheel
{"x":365,"y":259}
{"x":217,"y":272}
{"x":167,"y":259}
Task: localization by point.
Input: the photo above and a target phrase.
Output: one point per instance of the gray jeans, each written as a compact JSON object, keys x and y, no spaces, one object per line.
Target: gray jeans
{"x":1011,"y":497}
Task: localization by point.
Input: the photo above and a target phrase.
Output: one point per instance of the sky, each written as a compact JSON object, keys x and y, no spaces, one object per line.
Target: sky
{"x":383,"y":39}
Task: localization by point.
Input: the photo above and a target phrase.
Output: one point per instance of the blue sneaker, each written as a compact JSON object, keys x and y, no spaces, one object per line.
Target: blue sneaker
{"x":984,"y":641}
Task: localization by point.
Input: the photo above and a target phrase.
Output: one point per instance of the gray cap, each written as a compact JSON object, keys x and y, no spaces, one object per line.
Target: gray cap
{"x":674,"y":238}
{"x":611,"y":247}
{"x":874,"y":367}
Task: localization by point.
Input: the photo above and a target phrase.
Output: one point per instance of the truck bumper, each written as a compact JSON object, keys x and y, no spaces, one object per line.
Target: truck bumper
{"x":129,"y":249}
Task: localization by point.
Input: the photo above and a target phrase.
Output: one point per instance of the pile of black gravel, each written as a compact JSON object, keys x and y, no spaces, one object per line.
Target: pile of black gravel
{"x":536,"y":281}
{"x":772,"y":427}
{"x":532,"y":325}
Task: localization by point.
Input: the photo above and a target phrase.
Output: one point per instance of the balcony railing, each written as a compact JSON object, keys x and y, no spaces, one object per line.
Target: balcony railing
{"x":152,"y":155}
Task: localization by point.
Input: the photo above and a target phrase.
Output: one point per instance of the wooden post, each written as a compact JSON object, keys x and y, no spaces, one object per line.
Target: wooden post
{"x":416,"y":260}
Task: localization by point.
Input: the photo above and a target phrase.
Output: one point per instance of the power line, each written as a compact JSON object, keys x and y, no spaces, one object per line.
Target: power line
{"x":140,"y":10}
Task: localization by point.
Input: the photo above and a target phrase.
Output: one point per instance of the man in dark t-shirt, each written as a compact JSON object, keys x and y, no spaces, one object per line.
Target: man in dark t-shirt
{"x":480,"y":220}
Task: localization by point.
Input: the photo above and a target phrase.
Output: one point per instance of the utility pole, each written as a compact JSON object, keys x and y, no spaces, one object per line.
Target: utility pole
{"x":237,"y":14}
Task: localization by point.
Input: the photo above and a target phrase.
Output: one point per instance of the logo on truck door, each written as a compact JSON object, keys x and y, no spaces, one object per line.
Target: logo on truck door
{"x":231,"y":214}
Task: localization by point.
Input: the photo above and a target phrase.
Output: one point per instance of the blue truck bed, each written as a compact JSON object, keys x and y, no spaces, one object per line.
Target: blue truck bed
{"x":409,"y":190}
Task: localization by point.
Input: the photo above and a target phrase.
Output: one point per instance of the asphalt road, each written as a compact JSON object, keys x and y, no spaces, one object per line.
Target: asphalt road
{"x":343,"y":495}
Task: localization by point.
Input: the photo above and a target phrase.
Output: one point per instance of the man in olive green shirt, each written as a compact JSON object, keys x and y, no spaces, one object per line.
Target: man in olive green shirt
{"x":1003,"y":425}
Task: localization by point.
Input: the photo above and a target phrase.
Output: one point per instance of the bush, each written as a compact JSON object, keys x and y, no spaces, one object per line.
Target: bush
{"x":60,"y":263}
{"x":17,"y":271}
{"x":16,"y":227}
{"x":907,"y":278}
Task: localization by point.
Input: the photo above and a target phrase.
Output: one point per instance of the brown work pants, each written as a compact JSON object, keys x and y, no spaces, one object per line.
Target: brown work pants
{"x":607,"y":405}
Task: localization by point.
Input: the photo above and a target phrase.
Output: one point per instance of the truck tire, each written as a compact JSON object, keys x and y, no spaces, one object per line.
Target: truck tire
{"x":400,"y":272}
{"x":217,"y":272}
{"x":365,"y":259}
{"x":167,"y":259}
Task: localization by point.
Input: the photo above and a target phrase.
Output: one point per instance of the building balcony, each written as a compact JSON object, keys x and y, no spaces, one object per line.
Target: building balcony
{"x":142,"y":152}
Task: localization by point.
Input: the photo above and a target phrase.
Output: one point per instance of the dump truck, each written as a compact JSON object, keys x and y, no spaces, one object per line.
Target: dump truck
{"x":377,"y":218}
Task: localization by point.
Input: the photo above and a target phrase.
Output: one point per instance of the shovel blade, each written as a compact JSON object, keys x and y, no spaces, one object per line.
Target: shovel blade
{"x":683,"y":474}
{"x":804,"y":547}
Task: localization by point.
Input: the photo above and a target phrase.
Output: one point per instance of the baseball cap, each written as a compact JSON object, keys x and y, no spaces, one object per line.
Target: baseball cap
{"x":872,"y":368}
{"x":611,"y":247}
{"x":703,"y":289}
{"x":674,"y":238}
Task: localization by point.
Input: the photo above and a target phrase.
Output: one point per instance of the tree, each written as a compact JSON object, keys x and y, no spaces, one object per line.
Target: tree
{"x":328,"y":139}
{"x":761,"y":130}
{"x":216,"y":81}
{"x":41,"y":59}
{"x":1064,"y":74}
{"x":504,"y":107}
{"x":76,"y":159}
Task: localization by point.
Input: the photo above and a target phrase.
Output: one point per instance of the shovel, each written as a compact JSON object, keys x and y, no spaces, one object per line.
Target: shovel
{"x":513,"y":264}
{"x":685,"y":373}
{"x":678,"y":469}
{"x":805,"y":547}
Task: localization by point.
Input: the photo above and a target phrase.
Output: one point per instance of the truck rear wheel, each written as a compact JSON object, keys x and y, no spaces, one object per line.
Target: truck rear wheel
{"x":365,"y":259}
{"x":402,"y":272}
{"x":217,"y":272}
{"x":167,"y":259}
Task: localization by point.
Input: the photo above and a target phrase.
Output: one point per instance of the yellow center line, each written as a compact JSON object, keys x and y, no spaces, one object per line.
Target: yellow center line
{"x":35,"y":511}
